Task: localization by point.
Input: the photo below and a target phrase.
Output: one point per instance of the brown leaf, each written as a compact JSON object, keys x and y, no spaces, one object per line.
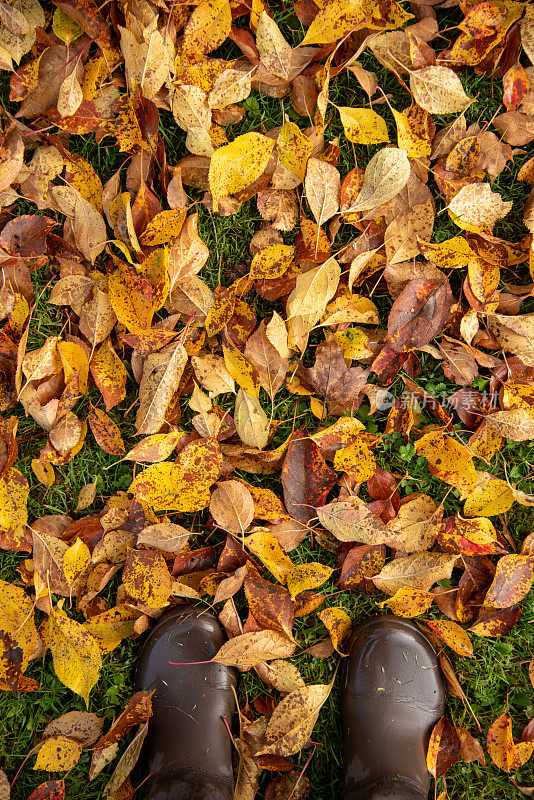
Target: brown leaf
{"x":443,"y":748}
{"x":419,"y":313}
{"x":265,"y":358}
{"x":270,"y":605}
{"x":232,"y":506}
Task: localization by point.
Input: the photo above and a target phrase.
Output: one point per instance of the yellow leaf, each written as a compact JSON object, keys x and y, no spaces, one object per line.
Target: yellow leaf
{"x":453,"y":253}
{"x":232,"y":506}
{"x":351,"y":308}
{"x":490,"y":496}
{"x":75,"y":653}
{"x":65,"y":27}
{"x":265,"y":546}
{"x":271,"y":262}
{"x":106,"y":432}
{"x":333,"y":21}
{"x":294,"y":148}
{"x":70,"y":95}
{"x":137,"y":293}
{"x":293,"y":720}
{"x":146,"y":577}
{"x":412,"y":133}
{"x":184,"y":485}
{"x":81,"y":176}
{"x":14,"y":491}
{"x":408,"y":602}
{"x":307,"y":302}
{"x":248,"y":649}
{"x":501,"y":743}
{"x":416,"y":525}
{"x":275,"y":52}
{"x":251,"y":421}
{"x":438,"y":90}
{"x":453,"y":635}
{"x":165,"y":226}
{"x":337,"y":18}
{"x":109,"y":374}
{"x":58,"y":754}
{"x":449,"y":460}
{"x":238,"y":164}
{"x":44,"y":472}
{"x":112,"y":626}
{"x":418,"y":571}
{"x":241,"y":370}
{"x":75,"y":560}
{"x":357,"y":459}
{"x":154,"y":448}
{"x":355,"y":343}
{"x":207,"y":28}
{"x":338,"y":624}
{"x":307,"y":576}
{"x":74,"y":362}
{"x":16,"y":619}
{"x":363,"y":125}
{"x":266,"y":504}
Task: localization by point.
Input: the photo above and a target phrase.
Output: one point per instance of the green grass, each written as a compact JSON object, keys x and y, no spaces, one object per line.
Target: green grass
{"x":494,"y":679}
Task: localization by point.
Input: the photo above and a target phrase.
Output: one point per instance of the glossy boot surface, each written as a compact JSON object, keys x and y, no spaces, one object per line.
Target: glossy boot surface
{"x":392,"y":696}
{"x":188,"y":750}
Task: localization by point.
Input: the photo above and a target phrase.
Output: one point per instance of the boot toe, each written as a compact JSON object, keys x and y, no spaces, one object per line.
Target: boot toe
{"x":193,"y":701}
{"x":392,"y":696}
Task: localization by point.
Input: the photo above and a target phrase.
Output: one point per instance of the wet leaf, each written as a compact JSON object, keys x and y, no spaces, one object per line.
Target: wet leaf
{"x":453,"y":635}
{"x":443,"y":748}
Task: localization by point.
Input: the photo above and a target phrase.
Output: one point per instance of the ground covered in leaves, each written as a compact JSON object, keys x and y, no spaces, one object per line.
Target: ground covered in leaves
{"x":266,"y":346}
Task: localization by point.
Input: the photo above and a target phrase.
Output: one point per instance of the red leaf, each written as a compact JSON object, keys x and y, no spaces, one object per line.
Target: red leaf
{"x":306,"y":479}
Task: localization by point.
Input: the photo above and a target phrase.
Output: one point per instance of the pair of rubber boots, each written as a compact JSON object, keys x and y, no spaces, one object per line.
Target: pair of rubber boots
{"x":392,"y":695}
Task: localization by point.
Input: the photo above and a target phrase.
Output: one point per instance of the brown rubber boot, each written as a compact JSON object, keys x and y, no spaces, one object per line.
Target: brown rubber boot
{"x":392,"y":696}
{"x":188,"y":751}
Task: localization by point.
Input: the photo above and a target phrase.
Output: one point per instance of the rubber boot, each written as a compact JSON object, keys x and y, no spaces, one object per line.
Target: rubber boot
{"x":392,"y":696}
{"x":188,"y":750}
